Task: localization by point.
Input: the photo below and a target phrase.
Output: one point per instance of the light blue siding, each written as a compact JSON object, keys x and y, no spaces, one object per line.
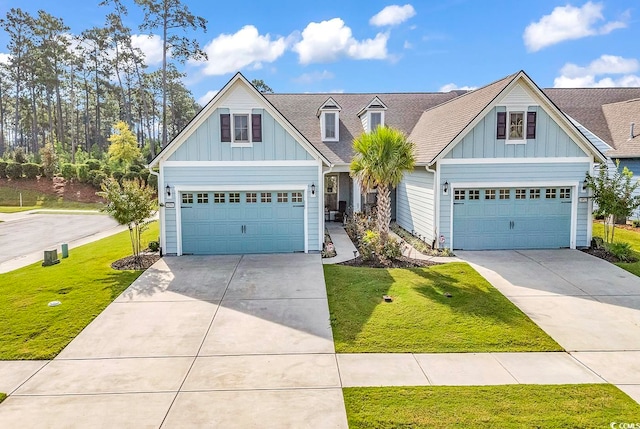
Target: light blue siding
{"x":633,"y":164}
{"x":204,"y":143}
{"x":505,"y":174}
{"x":415,"y":203}
{"x":550,"y":141}
{"x":203,"y":177}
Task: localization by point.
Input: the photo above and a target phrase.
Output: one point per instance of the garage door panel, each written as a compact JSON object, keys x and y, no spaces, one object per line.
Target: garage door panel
{"x":512,"y":219}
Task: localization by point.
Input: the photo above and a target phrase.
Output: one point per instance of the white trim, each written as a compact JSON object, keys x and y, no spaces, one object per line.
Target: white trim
{"x":543,"y":184}
{"x":163,"y":229}
{"x":179,"y":189}
{"x":516,"y":109}
{"x":336,"y":124}
{"x":514,"y":160}
{"x":369,"y":113}
{"x":247,"y":113}
{"x":436,"y":198}
{"x":276,"y":163}
{"x":320,"y":199}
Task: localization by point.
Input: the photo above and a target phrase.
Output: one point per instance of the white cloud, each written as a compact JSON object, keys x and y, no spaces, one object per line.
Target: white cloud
{"x":207,"y":97}
{"x":597,"y":73}
{"x":407,"y":45}
{"x":246,"y":48}
{"x":568,"y":23}
{"x":4,"y":58}
{"x":151,"y":47}
{"x":307,"y":78}
{"x":392,"y":15}
{"x":452,"y":87}
{"x":328,"y":41}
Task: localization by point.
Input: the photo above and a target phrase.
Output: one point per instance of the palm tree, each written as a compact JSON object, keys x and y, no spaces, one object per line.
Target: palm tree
{"x":381,"y":158}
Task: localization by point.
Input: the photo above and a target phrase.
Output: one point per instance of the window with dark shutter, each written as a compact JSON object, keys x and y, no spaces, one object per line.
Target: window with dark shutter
{"x":531,"y":125}
{"x":256,"y":127}
{"x":225,"y":127}
{"x":501,"y":132}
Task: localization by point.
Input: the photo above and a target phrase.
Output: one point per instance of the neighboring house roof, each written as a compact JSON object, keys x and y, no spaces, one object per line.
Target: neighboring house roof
{"x":619,"y":117}
{"x":585,"y":105}
{"x":439,"y":126}
{"x":403,"y":111}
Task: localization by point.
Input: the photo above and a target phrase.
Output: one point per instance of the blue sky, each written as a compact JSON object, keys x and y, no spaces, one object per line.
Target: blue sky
{"x":381,"y":46}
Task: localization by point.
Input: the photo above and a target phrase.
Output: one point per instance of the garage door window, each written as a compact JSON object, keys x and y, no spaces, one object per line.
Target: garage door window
{"x":565,"y":193}
{"x":296,"y":197}
{"x":203,"y":198}
{"x":265,"y":197}
{"x":504,"y":194}
{"x":474,"y":194}
{"x":490,"y":194}
{"x":534,"y":194}
{"x":252,"y":197}
{"x":219,"y":198}
{"x":187,"y":198}
{"x":234,"y":197}
{"x":521,"y":194}
{"x":459,"y":194}
{"x":550,"y":193}
{"x":283,"y":197}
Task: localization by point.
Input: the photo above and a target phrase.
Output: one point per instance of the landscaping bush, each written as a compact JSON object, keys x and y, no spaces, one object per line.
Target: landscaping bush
{"x":118,"y":175}
{"x":131,"y":175}
{"x":621,"y":250}
{"x":98,"y":178}
{"x":154,"y":246}
{"x":3,"y":169}
{"x":135,"y":168}
{"x":83,"y":173}
{"x":106,"y":169}
{"x":68,"y":171}
{"x":635,"y":222}
{"x":93,"y":164}
{"x":373,"y":247}
{"x":30,"y":170}
{"x":14,"y":170}
{"x":152,"y":180}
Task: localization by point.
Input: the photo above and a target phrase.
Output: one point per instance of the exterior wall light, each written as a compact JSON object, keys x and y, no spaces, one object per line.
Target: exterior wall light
{"x":168,"y":189}
{"x":313,"y":189}
{"x":445,"y":188}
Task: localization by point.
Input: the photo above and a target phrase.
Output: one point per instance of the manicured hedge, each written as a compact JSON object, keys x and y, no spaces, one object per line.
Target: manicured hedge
{"x":30,"y":170}
{"x":14,"y":170}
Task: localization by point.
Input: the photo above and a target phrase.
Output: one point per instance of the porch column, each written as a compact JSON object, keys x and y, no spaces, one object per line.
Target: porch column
{"x":357,"y":196}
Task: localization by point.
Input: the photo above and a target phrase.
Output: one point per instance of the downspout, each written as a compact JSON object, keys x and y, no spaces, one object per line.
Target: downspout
{"x":160,"y":204}
{"x":436,"y":203}
{"x":321,"y":208}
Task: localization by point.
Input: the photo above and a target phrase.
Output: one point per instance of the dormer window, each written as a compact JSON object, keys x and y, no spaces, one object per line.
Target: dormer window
{"x":516,"y":125}
{"x":372,"y":115}
{"x":329,"y":114}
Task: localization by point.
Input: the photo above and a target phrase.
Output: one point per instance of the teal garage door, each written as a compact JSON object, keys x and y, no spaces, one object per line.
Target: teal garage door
{"x":218,"y":223}
{"x":512,"y":218}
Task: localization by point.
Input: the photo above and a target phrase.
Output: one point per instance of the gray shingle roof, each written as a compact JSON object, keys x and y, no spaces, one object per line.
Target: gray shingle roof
{"x":403,"y":111}
{"x":619,"y":117}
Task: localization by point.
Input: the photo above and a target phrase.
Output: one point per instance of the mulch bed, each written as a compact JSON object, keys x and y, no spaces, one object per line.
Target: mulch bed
{"x":402,"y":262}
{"x":602,"y":254}
{"x":129,"y":263}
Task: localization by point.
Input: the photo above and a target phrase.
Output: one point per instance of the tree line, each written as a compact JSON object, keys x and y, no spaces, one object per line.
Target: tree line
{"x":67,"y":91}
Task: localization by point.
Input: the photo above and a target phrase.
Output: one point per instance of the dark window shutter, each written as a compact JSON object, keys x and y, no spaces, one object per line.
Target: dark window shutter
{"x":502,"y":126}
{"x":531,"y":125}
{"x":225,"y":127}
{"x":256,"y":127}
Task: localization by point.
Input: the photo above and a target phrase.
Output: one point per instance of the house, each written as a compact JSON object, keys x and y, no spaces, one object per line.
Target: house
{"x":500,"y":167}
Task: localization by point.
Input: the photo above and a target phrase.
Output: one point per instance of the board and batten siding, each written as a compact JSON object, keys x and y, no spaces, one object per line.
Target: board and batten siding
{"x":204,"y":143}
{"x":415,"y":203}
{"x":551,"y":140}
{"x":505,"y":175}
{"x":212,"y":178}
{"x":633,"y":164}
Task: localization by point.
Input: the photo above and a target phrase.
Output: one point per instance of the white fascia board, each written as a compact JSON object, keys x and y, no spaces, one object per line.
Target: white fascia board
{"x":275,"y":163}
{"x":470,"y":161}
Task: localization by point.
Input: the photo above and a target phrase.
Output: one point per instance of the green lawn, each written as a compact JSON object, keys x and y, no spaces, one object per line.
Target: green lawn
{"x":631,"y":237}
{"x":421,"y":319}
{"x":85,"y":283}
{"x":10,"y":201}
{"x":512,"y":406}
{"x":2,"y":396}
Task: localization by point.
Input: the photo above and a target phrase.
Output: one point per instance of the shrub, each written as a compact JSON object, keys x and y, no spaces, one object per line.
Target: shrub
{"x":93,"y":164}
{"x":83,"y":172}
{"x":635,"y":222}
{"x":98,"y":179}
{"x":152,"y":180}
{"x":3,"y":169}
{"x":131,"y":175}
{"x":117,"y":175}
{"x":621,"y":250}
{"x":135,"y":168}
{"x":154,"y":246}
{"x":49,"y":160}
{"x":19,"y":156}
{"x":14,"y":170}
{"x":30,"y":170}
{"x":68,"y":171}
{"x":373,"y":246}
{"x":106,"y":169}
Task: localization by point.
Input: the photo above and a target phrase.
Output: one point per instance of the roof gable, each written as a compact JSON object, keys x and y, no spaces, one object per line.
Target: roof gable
{"x":619,"y":118}
{"x":375,"y":104}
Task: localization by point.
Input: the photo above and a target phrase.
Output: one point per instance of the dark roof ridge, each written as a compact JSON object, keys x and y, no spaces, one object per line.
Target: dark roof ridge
{"x":361,"y":93}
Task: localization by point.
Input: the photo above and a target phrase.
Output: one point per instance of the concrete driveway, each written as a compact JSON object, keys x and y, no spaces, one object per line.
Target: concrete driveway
{"x":24,"y":236}
{"x":589,"y":306}
{"x":226,"y":341}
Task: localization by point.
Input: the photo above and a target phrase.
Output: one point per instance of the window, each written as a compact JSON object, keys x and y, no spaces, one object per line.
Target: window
{"x":265,"y":197}
{"x":203,"y":198}
{"x":251,"y":197}
{"x":459,"y":194}
{"x":490,"y":194}
{"x":187,"y":198}
{"x":283,"y":197}
{"x":565,"y":193}
{"x":474,"y":194}
{"x":331,"y":184}
{"x":534,"y":194}
{"x":551,"y":193}
{"x":234,"y":197}
{"x":330,"y":126}
{"x":504,"y":194}
{"x":516,"y":125}
{"x":296,"y":197}
{"x":375,"y":120}
{"x":329,"y":113}
{"x":218,"y":198}
{"x":241,"y":128}
{"x":521,"y":194}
